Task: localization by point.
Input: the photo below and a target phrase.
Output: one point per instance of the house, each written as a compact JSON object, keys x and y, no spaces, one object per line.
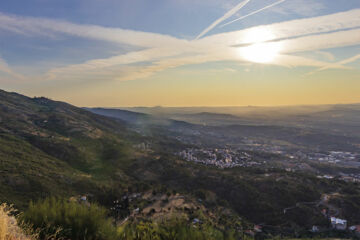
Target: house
{"x":338,"y":224}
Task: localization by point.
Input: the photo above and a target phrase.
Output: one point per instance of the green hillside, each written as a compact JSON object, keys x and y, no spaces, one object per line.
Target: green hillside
{"x":50,"y":147}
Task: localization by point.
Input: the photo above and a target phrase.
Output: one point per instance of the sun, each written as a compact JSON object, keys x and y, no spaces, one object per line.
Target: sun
{"x":261,"y":52}
{"x":259,"y":49}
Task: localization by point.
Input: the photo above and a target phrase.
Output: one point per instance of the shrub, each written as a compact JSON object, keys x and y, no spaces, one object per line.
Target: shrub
{"x":69,"y":220}
{"x":9,"y":227}
{"x":172,"y":229}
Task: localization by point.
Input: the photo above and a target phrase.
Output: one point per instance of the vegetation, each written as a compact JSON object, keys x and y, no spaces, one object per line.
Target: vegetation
{"x":173,"y":229}
{"x":9,"y":227}
{"x":49,"y":148}
{"x":69,"y":220}
{"x":73,"y":220}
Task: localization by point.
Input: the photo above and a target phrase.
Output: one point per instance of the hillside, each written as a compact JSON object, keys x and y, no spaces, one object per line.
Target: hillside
{"x":50,"y":148}
{"x":127,"y":116}
{"x":53,"y":147}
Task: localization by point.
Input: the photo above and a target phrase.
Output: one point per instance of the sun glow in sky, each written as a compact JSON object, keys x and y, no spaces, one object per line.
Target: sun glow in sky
{"x":181,"y":52}
{"x":259,"y":50}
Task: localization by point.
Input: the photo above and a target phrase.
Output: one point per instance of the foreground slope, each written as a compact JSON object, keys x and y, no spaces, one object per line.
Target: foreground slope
{"x":53,"y":147}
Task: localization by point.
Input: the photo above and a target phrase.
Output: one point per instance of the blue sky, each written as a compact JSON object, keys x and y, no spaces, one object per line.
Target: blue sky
{"x":61,"y":47}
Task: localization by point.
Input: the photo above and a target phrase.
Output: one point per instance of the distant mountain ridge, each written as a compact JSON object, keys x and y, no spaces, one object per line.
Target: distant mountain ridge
{"x":344,"y":117}
{"x":125,"y":115}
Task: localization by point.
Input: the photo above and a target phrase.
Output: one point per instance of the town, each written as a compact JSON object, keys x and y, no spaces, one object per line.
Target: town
{"x":222,"y":158}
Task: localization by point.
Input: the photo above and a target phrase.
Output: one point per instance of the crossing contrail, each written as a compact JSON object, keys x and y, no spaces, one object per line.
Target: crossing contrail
{"x":343,"y":62}
{"x":252,"y":13}
{"x":223,"y":18}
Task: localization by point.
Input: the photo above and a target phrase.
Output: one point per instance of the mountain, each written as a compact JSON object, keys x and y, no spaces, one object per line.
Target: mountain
{"x":337,"y":119}
{"x":145,"y":123}
{"x":127,"y":116}
{"x":50,"y":147}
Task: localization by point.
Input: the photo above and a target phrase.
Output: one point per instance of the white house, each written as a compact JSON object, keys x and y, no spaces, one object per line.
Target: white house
{"x":338,"y":224}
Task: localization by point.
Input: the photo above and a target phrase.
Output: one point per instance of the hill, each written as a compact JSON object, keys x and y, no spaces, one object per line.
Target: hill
{"x":338,"y":119}
{"x":127,"y":116}
{"x":50,"y":147}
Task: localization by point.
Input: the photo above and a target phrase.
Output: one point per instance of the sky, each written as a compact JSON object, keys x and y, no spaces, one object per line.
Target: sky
{"x":121,"y":53}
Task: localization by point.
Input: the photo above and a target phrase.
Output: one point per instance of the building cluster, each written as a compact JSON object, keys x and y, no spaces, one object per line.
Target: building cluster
{"x":352,"y":177}
{"x":334,"y":157}
{"x":341,"y":224}
{"x":261,"y":145}
{"x":223,"y":158}
{"x":347,"y":177}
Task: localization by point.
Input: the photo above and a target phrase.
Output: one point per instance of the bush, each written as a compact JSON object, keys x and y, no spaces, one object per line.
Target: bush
{"x":173,"y":229}
{"x":69,"y":220}
{"x":9,"y":227}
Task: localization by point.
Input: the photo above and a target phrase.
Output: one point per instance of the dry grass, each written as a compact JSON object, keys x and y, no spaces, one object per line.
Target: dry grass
{"x":9,"y":228}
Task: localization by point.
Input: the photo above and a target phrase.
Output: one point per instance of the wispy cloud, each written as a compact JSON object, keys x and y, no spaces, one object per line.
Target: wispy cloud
{"x":161,"y":52}
{"x":305,"y":8}
{"x":325,"y":55}
{"x":294,"y":28}
{"x":221,"y":47}
{"x":227,"y":15}
{"x":254,"y":12}
{"x":4,"y":67}
{"x":31,"y":26}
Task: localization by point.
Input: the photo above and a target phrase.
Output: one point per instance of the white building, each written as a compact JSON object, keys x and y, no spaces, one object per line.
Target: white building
{"x":338,"y":224}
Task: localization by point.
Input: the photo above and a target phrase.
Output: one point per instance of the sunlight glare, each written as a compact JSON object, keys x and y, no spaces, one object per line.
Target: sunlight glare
{"x":260,"y":51}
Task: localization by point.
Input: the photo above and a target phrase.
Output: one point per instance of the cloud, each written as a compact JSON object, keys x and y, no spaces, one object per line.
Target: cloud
{"x":322,"y":41}
{"x":227,"y":15}
{"x":325,"y":55}
{"x":153,"y":66}
{"x":281,"y":60}
{"x":291,"y":29}
{"x":4,"y":67}
{"x":31,"y":26}
{"x":151,"y":54}
{"x":254,"y":12}
{"x":160,"y":52}
{"x":294,"y":36}
{"x":305,"y":8}
{"x":343,"y":62}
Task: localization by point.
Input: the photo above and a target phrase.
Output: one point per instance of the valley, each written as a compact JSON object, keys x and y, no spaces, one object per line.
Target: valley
{"x":250,"y":180}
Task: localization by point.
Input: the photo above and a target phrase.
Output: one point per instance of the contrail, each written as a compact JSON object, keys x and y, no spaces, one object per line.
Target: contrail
{"x":343,"y":62}
{"x":223,"y":18}
{"x":252,"y":13}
